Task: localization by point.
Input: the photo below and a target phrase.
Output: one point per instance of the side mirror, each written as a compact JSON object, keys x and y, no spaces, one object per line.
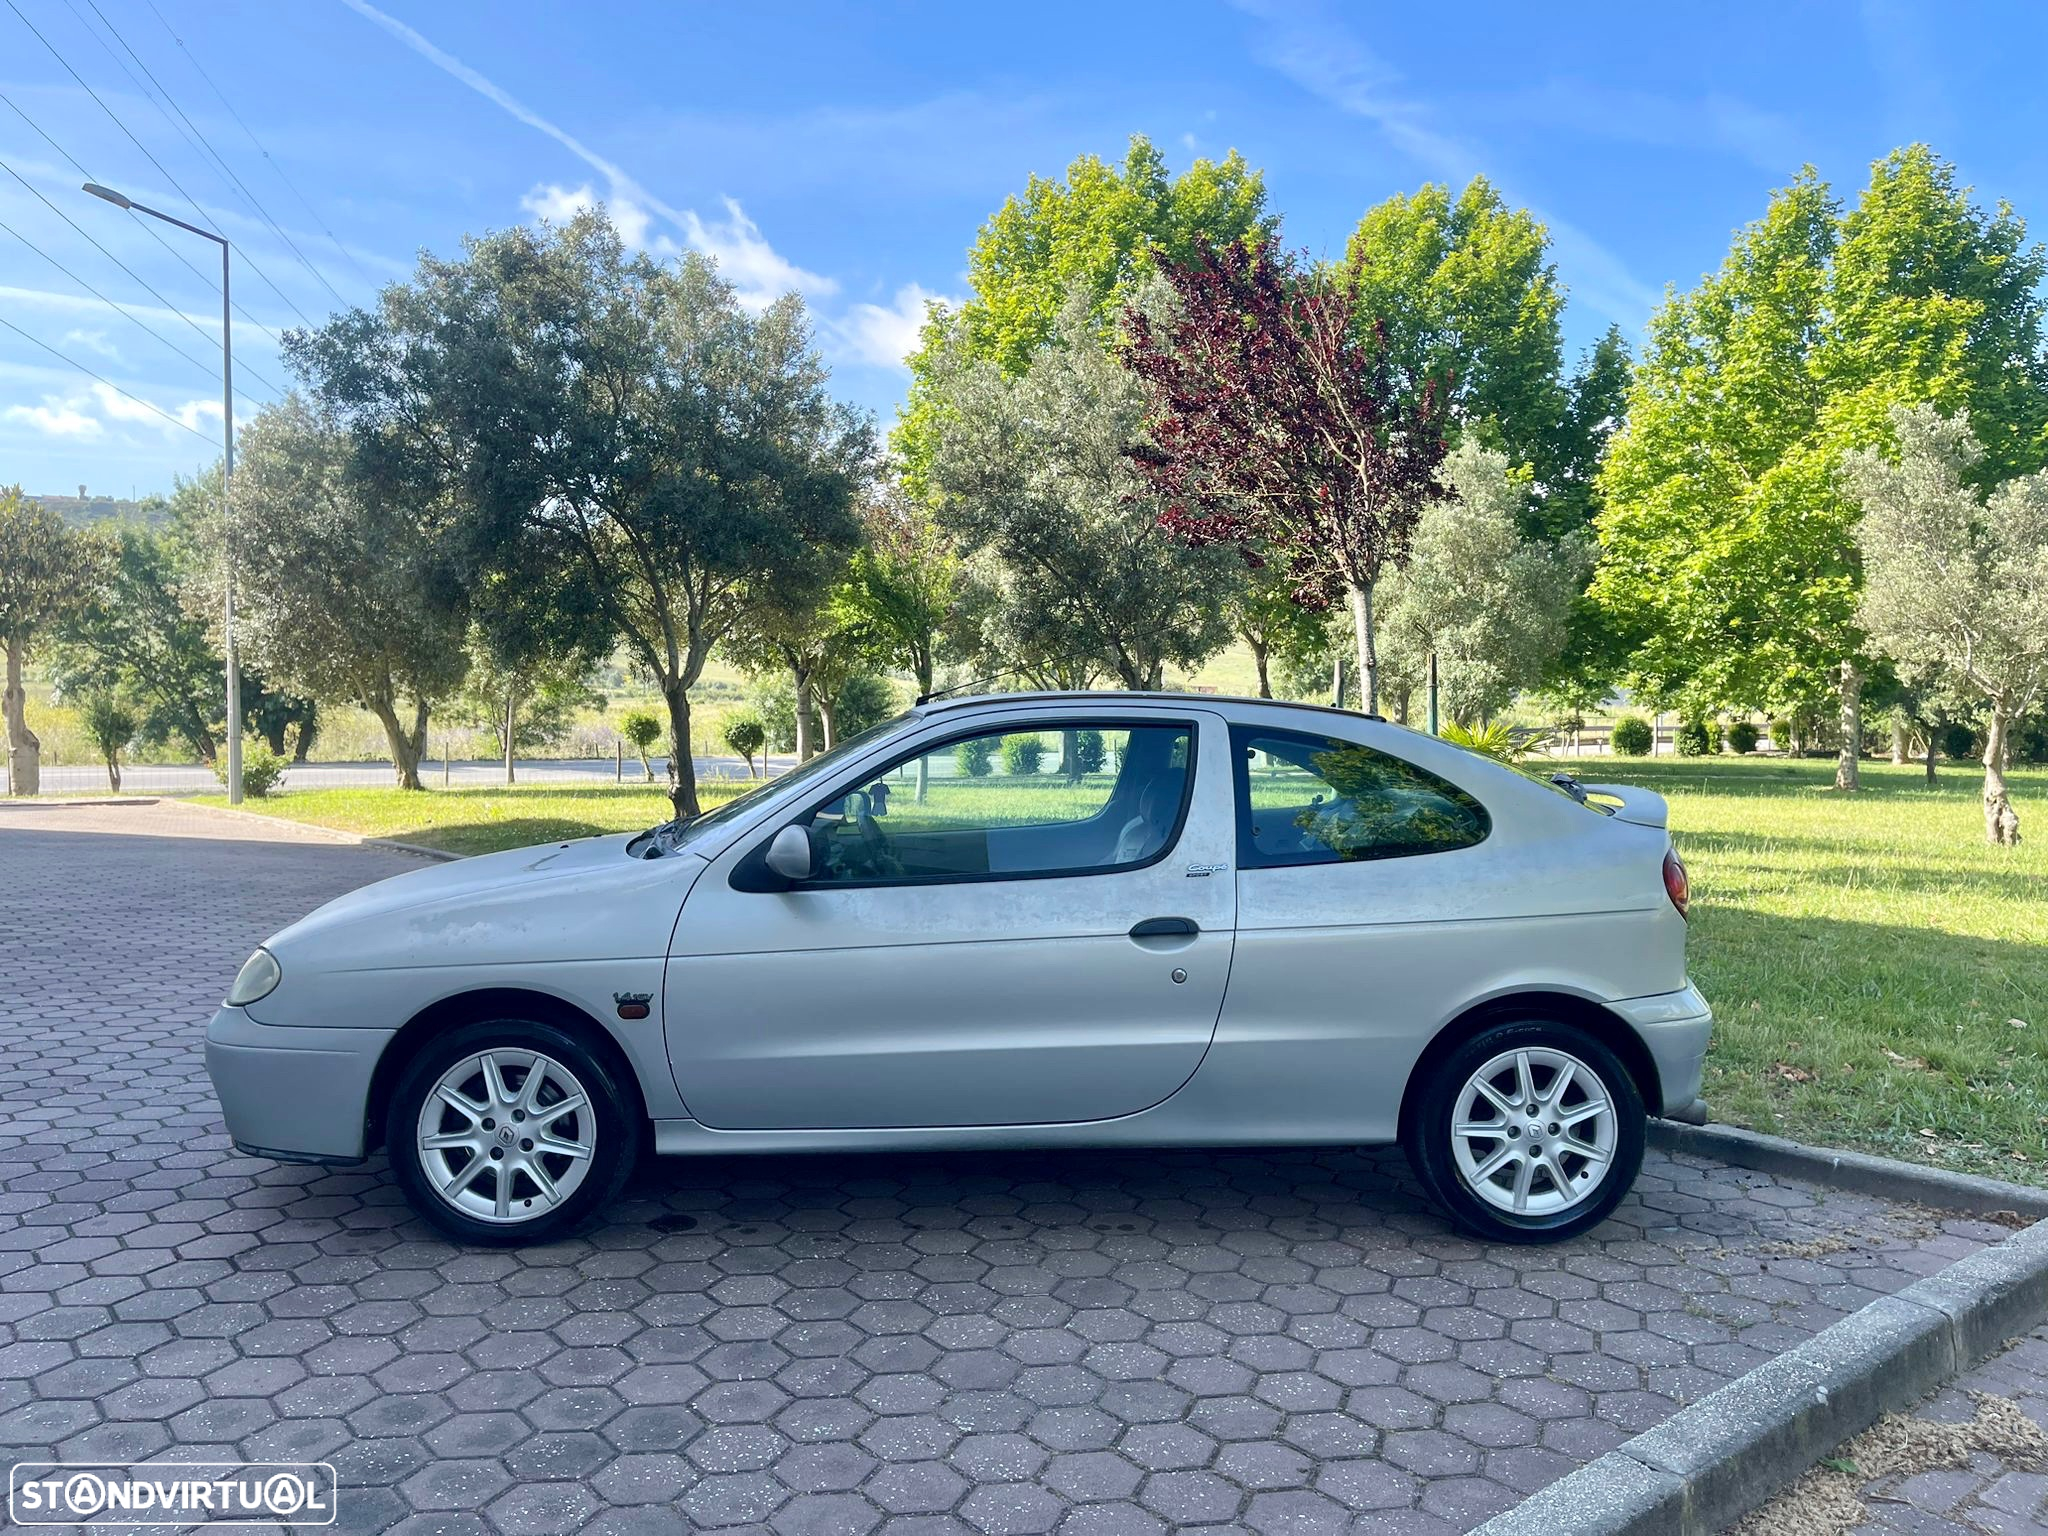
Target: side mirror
{"x":789,"y":854}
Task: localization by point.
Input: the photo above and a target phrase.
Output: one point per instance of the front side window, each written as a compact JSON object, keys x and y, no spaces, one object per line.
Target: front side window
{"x":1309,"y":799}
{"x":1081,"y":799}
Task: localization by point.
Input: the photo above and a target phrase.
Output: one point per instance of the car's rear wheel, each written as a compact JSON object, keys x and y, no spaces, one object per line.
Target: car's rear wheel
{"x":1530,"y":1131}
{"x":509,"y":1131}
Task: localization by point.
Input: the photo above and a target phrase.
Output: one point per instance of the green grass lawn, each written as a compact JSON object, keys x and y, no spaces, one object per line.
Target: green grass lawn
{"x":480,"y":820}
{"x":1880,"y":974}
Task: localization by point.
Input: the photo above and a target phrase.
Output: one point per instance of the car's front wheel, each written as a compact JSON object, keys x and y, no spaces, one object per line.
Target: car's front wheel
{"x":1530,"y":1131}
{"x":509,"y":1131}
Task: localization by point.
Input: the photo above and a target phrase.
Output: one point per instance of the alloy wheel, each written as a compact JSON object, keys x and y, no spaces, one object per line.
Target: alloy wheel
{"x":1533,"y":1132}
{"x":506,"y":1135}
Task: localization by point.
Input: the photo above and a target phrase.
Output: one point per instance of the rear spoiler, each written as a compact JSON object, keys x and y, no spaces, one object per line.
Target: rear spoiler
{"x":1644,"y":807}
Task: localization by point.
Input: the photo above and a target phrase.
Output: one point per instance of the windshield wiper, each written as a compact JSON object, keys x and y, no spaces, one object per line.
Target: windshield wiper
{"x":658,"y":841}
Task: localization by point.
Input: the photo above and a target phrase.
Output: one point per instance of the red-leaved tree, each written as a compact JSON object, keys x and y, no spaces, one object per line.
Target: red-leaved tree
{"x":1280,"y":421}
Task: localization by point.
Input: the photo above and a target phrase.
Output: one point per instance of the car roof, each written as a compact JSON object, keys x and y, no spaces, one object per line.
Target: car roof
{"x":1054,"y":698}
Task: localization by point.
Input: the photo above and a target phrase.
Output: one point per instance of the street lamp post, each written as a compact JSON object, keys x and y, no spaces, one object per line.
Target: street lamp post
{"x":227,"y":476}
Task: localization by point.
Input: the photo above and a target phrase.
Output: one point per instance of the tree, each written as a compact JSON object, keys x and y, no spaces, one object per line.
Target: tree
{"x":1729,"y":555}
{"x":1957,"y":576}
{"x":342,"y":590}
{"x":1278,"y":416}
{"x":792,"y":624}
{"x":44,"y":570}
{"x":1271,"y":620}
{"x":903,"y":584}
{"x":673,"y":445}
{"x":1489,"y":604}
{"x":1098,"y":230}
{"x":1032,"y":473}
{"x":140,"y":636}
{"x":643,"y":728}
{"x":525,"y":694}
{"x":111,"y":725}
{"x":744,"y":734}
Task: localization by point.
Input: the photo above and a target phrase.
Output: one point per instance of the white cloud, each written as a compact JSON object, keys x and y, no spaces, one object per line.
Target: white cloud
{"x":744,"y":257}
{"x":883,"y":335}
{"x":94,"y":341}
{"x":55,"y":417}
{"x":116,"y":406}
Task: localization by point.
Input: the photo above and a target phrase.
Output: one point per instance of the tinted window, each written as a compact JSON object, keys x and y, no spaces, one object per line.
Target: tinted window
{"x":1010,"y":803}
{"x":1306,"y":799}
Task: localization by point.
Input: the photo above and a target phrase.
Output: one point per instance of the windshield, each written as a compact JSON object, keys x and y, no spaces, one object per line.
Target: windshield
{"x":673,"y":835}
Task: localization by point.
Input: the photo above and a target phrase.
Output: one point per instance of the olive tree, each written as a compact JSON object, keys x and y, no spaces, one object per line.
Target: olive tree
{"x":1032,"y":473}
{"x":1953,"y":574}
{"x":341,"y":590}
{"x":44,"y":570}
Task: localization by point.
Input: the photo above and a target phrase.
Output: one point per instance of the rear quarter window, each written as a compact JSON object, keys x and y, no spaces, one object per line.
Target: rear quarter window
{"x":1304,"y":798}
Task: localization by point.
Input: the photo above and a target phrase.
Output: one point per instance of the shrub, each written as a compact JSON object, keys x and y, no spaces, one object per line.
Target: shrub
{"x":1958,"y":742}
{"x":743,"y":733}
{"x":1632,"y":736}
{"x":110,"y":724}
{"x":1088,"y":752}
{"x":972,"y":756}
{"x":1691,"y":740}
{"x":1023,"y":754}
{"x":1500,"y":741}
{"x":262,"y":769}
{"x":1714,"y":738}
{"x":1781,"y":733}
{"x":1742,"y":737}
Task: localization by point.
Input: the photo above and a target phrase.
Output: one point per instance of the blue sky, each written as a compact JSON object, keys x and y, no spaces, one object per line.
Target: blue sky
{"x":852,"y":150}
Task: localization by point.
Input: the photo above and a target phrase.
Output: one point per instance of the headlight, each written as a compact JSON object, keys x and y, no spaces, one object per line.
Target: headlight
{"x":256,"y":980}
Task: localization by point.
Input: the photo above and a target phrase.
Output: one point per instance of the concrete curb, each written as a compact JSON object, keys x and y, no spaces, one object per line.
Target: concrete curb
{"x":1711,"y":1463}
{"x":333,"y":834}
{"x":67,"y":802}
{"x":1857,"y":1171}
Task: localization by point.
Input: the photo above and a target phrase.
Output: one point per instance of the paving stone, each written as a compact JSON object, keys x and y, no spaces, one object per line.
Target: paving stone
{"x":1093,"y":1342}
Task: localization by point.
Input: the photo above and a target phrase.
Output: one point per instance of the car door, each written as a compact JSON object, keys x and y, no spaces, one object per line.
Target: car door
{"x":1044,"y":937}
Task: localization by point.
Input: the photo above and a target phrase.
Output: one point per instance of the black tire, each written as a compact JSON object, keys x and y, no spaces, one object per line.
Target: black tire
{"x":1428,"y":1140}
{"x":613,"y":1130}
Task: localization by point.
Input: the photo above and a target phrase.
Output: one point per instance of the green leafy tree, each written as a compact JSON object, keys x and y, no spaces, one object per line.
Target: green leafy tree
{"x":111,"y":725}
{"x":643,"y":728}
{"x":1729,"y":559}
{"x":1032,"y":476}
{"x":524,"y":698}
{"x":1489,"y":603}
{"x":1097,"y":230}
{"x":1955,"y":576}
{"x":903,"y":585}
{"x":1273,"y":622}
{"x":45,"y":572}
{"x":743,"y":733}
{"x":342,"y":591}
{"x":680,"y":449}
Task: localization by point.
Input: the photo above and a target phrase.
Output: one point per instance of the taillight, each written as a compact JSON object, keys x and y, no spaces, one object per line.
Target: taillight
{"x":1676,"y":885}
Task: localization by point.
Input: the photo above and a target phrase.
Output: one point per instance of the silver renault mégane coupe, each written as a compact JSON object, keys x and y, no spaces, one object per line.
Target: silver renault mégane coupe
{"x":1018,"y":920}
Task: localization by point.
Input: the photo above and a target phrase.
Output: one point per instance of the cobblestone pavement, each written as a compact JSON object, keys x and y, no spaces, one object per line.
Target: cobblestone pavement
{"x":1279,"y":1340}
{"x":1993,"y":1495}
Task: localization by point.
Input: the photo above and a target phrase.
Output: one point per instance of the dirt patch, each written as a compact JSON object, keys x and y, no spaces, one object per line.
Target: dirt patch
{"x":1831,"y":1499}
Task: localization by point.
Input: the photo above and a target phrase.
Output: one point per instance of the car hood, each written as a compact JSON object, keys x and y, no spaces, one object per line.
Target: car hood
{"x":579,"y":900}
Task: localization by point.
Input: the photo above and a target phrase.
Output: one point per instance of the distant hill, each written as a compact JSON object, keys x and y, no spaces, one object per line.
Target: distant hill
{"x":79,"y":511}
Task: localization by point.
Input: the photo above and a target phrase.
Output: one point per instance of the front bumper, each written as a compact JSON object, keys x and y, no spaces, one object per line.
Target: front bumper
{"x":297,"y":1095}
{"x":1674,"y":1026}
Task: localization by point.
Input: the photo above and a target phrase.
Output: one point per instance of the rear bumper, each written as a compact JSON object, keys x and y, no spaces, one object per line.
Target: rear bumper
{"x":297,"y":1095}
{"x":1675,"y":1027}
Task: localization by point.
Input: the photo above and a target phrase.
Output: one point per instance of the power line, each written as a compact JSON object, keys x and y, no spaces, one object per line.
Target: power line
{"x":204,"y":334}
{"x":117,"y":389}
{"x":146,"y":225}
{"x":195,"y":136}
{"x":249,"y":133}
{"x":162,"y":169}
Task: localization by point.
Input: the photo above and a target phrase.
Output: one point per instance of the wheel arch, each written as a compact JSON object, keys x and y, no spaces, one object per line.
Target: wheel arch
{"x":492,"y":1003}
{"x":1609,"y":1028}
